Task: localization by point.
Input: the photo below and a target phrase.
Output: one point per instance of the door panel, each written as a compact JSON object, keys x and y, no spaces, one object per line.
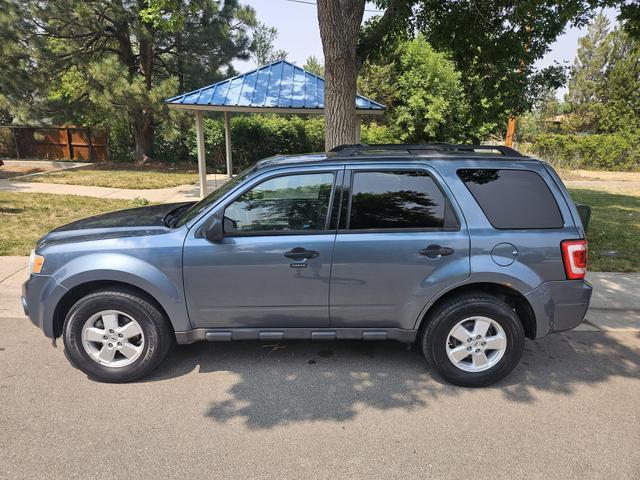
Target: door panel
{"x":248,"y":282}
{"x":381,"y":279}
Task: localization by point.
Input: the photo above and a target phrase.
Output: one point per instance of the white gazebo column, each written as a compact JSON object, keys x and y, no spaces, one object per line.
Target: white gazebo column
{"x":227,"y":141}
{"x":202,"y":165}
{"x":357,"y":128}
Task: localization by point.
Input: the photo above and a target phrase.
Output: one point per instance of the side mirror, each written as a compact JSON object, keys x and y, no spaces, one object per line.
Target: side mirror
{"x":212,"y":229}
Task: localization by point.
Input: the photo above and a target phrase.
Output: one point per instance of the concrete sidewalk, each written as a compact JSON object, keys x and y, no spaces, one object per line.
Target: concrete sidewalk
{"x":182,"y":193}
{"x":615,"y":305}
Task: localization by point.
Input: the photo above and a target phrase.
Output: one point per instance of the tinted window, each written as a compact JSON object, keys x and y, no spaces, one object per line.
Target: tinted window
{"x":513,"y":199}
{"x":403,"y":199}
{"x":288,"y":203}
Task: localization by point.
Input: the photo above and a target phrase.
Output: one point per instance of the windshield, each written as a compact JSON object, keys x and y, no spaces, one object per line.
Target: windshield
{"x":213,"y":197}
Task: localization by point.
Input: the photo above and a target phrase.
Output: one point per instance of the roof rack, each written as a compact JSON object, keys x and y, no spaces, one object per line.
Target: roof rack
{"x":350,"y":150}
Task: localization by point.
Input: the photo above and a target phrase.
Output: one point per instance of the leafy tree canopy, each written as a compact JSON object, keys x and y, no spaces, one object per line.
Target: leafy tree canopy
{"x":422,"y":90}
{"x":604,"y":85}
{"x":107,"y":61}
{"x":494,"y":42}
{"x":264,"y":51}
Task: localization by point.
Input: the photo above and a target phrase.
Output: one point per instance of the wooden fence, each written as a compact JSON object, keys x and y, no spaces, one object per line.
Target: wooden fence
{"x":89,"y":144}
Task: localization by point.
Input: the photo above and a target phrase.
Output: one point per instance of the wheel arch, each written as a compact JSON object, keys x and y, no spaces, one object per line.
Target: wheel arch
{"x":76,"y":293}
{"x":514,"y":298}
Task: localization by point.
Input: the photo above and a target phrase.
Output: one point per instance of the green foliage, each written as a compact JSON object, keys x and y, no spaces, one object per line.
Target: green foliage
{"x":259,"y":136}
{"x":264,"y":51}
{"x":619,"y":151}
{"x":111,"y":63}
{"x":495,"y":43}
{"x":374,"y":133}
{"x":313,"y":65}
{"x":604,"y":88}
{"x":422,"y":91}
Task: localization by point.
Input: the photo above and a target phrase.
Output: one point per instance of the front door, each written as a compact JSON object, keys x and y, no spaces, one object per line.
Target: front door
{"x":272,"y":268}
{"x":400,"y":243}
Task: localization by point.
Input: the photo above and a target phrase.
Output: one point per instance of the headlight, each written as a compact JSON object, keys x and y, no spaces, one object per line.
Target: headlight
{"x":36,"y":262}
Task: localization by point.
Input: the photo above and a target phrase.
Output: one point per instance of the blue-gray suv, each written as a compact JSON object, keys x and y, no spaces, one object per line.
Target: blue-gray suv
{"x":465,"y":250}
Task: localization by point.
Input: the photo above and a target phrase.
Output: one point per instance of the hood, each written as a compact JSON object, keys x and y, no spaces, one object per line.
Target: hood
{"x":152,"y":216}
{"x":121,"y":223}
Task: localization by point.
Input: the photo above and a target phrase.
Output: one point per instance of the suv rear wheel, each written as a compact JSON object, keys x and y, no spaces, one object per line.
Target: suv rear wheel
{"x":115,"y":336}
{"x":473,"y":340}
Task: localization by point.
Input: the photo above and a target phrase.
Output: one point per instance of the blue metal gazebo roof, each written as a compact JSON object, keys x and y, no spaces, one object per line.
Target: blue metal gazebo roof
{"x":280,"y":87}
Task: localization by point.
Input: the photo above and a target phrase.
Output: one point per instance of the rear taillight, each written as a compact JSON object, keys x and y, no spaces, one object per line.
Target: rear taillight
{"x":574,"y":256}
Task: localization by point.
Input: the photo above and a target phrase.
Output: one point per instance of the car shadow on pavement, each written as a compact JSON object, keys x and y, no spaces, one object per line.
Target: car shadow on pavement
{"x":279,"y":383}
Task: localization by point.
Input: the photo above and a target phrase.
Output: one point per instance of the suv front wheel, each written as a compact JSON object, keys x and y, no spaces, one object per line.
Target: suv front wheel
{"x":115,"y":336}
{"x":473,"y":340}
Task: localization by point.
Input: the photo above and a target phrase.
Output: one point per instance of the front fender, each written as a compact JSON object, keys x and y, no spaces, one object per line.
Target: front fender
{"x":165,"y":286}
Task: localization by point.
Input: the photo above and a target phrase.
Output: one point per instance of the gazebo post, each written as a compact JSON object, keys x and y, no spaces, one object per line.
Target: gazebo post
{"x":227,"y":141}
{"x":202,"y":165}
{"x":357,"y":128}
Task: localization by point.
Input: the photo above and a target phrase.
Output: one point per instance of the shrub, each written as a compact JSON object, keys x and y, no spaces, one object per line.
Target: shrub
{"x":616,"y":151}
{"x":254,"y":137}
{"x":375,"y":133}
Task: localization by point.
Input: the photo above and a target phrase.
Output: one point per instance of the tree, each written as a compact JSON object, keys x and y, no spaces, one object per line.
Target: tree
{"x":113,"y":60}
{"x":494,"y":42}
{"x":264,"y":51}
{"x":339,"y":22}
{"x":587,"y":76}
{"x":422,"y":90}
{"x":621,"y":87}
{"x":313,"y":65}
{"x":604,"y":87}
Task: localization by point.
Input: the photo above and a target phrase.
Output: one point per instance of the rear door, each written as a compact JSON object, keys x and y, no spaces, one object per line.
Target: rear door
{"x":400,"y":241}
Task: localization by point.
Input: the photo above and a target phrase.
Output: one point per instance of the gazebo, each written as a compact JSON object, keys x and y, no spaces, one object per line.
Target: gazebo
{"x":280,"y":87}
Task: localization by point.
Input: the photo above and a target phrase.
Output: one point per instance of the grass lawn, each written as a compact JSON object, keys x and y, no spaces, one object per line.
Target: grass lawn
{"x":124,"y":175}
{"x":25,"y":217}
{"x":614,"y":230}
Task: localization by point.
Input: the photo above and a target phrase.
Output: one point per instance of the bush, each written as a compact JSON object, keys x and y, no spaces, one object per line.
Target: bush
{"x":254,"y":137}
{"x":375,"y":133}
{"x":616,"y":151}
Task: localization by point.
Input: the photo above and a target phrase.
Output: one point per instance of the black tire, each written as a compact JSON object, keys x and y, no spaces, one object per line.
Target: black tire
{"x":441,"y":321}
{"x":158,"y":336}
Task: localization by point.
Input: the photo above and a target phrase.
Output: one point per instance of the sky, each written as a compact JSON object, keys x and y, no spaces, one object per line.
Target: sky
{"x":298,"y":33}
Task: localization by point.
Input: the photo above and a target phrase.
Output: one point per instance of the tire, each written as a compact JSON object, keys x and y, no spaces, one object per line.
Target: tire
{"x":143,"y":344}
{"x":441,"y":348}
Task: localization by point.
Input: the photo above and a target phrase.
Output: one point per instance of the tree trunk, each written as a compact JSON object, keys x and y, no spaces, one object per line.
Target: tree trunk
{"x":142,"y":131}
{"x":340,"y":22}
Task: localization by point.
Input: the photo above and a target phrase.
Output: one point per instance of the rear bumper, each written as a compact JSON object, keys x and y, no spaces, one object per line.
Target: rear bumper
{"x":559,"y":305}
{"x":40,"y":296}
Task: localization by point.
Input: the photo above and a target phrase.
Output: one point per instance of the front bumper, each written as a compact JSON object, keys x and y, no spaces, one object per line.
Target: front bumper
{"x":40,"y":296}
{"x":559,"y":305}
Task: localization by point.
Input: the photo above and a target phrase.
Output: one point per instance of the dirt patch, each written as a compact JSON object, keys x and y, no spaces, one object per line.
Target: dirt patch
{"x":11,"y":171}
{"x":592,"y":175}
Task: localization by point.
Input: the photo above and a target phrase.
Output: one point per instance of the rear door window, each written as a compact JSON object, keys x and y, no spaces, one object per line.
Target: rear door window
{"x":395,"y":200}
{"x":513,"y":199}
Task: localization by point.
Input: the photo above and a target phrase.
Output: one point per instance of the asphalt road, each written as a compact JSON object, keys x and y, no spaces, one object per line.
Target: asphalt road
{"x":321,"y":410}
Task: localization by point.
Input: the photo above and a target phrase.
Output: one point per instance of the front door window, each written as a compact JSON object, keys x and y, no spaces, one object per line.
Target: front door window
{"x":287,"y":204}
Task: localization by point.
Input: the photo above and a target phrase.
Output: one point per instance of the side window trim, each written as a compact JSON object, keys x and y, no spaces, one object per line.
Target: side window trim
{"x":333,"y":171}
{"x":344,"y":226}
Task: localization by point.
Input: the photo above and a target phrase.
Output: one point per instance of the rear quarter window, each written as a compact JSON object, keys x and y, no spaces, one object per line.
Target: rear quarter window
{"x":513,"y":199}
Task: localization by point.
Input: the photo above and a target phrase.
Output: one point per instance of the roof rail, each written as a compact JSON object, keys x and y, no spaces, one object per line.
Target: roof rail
{"x":349,"y":150}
